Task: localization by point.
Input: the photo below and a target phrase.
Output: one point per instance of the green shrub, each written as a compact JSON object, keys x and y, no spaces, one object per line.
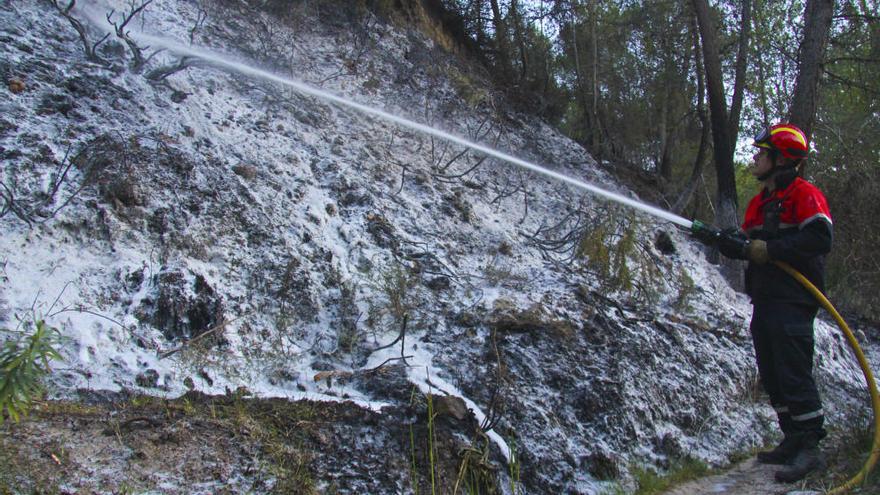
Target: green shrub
{"x":606,"y":247}
{"x":397,"y":295}
{"x":24,"y":361}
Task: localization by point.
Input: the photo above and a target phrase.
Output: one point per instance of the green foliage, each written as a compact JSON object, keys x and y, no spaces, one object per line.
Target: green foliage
{"x":19,"y":474}
{"x":413,"y":467}
{"x":650,"y":482}
{"x":513,"y":467}
{"x":611,"y":251}
{"x":746,"y":187}
{"x":844,"y":163}
{"x":347,"y":334}
{"x":280,"y":434}
{"x":396,"y":287}
{"x":467,"y":90}
{"x":535,"y":319}
{"x":415,"y":398}
{"x":279,"y":426}
{"x":476,"y":474}
{"x":593,"y":246}
{"x":630,"y":94}
{"x":24,"y":361}
{"x":846,"y":457}
{"x":686,"y":289}
{"x":622,"y":78}
{"x":432,"y":442}
{"x":465,"y":471}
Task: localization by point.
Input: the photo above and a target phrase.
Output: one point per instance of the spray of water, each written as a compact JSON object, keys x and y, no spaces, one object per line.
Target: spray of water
{"x":225,"y":62}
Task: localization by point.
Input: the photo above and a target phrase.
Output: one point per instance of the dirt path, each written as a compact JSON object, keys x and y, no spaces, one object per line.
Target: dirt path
{"x":746,"y":478}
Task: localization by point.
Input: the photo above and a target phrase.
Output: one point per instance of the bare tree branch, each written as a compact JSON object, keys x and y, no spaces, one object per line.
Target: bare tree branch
{"x":161,"y":73}
{"x":13,"y":206}
{"x":136,"y":51}
{"x":89,"y":48}
{"x":200,"y":21}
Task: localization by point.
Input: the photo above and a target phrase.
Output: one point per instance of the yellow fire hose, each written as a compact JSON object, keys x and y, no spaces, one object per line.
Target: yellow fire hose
{"x":866,"y":369}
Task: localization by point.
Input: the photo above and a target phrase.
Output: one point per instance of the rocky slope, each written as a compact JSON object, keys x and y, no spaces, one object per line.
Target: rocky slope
{"x":201,"y":229}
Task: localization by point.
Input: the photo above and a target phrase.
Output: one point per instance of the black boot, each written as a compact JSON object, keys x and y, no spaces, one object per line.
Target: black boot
{"x":807,"y":459}
{"x":783,"y":453}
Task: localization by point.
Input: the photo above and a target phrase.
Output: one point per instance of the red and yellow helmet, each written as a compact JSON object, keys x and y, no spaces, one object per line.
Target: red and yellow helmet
{"x":788,"y":139}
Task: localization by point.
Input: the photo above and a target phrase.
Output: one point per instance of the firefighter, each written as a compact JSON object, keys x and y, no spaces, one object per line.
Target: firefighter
{"x":788,"y":220}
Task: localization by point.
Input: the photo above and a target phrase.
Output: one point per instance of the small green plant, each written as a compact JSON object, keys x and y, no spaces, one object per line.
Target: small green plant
{"x":24,"y":361}
{"x":613,"y":489}
{"x":623,"y":276}
{"x":651,"y":482}
{"x":686,"y":289}
{"x":608,"y":248}
{"x":413,"y":469}
{"x":467,"y":89}
{"x":611,"y":250}
{"x":846,"y":455}
{"x":513,"y":467}
{"x":593,"y":246}
{"x":397,"y":296}
{"x":475,"y":473}
{"x":431,"y":441}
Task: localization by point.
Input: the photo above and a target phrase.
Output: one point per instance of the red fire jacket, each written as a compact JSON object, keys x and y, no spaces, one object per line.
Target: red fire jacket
{"x":795,"y":221}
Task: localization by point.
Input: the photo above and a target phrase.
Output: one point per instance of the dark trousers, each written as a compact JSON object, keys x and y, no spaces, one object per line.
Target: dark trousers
{"x":783,"y":338}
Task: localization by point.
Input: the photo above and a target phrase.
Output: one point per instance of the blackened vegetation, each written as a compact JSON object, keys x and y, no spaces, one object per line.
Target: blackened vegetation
{"x":291,"y":287}
{"x":531,"y":320}
{"x":383,"y":232}
{"x":122,"y":168}
{"x":182,"y":306}
{"x":126,"y":174}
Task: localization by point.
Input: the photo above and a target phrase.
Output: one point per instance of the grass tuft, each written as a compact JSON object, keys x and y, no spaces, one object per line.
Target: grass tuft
{"x":650,"y":482}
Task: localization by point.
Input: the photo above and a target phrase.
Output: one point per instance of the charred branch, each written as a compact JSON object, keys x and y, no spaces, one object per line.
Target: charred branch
{"x":200,"y":21}
{"x":136,"y":51}
{"x":401,"y":337}
{"x":29,"y":210}
{"x":11,"y":204}
{"x":161,"y":73}
{"x":89,"y":48}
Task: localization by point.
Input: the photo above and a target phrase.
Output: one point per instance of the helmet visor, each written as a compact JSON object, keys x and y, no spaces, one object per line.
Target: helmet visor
{"x":763,"y":138}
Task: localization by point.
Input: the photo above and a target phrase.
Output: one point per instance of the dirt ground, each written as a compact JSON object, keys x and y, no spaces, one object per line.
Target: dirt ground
{"x":746,"y":478}
{"x":201,"y":444}
{"x":211,"y":445}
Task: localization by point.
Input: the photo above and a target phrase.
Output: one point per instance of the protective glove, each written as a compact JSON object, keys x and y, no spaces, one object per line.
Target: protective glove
{"x":732,"y":243}
{"x":756,"y":251}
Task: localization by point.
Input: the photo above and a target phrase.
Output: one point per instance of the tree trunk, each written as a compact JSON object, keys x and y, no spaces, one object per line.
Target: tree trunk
{"x":502,"y":45}
{"x":722,"y":138}
{"x":697,"y":172}
{"x":817,"y":24}
{"x":517,"y":21}
{"x":664,"y":165}
{"x":586,"y":89}
{"x":745,"y":25}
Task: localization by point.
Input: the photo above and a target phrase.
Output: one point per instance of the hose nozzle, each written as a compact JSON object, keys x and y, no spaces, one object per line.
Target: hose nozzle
{"x":706,"y":234}
{"x":731,"y":242}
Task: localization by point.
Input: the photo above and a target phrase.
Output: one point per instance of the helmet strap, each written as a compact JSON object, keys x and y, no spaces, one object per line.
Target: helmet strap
{"x":772,"y":154}
{"x":783,"y":170}
{"x":781,"y":175}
